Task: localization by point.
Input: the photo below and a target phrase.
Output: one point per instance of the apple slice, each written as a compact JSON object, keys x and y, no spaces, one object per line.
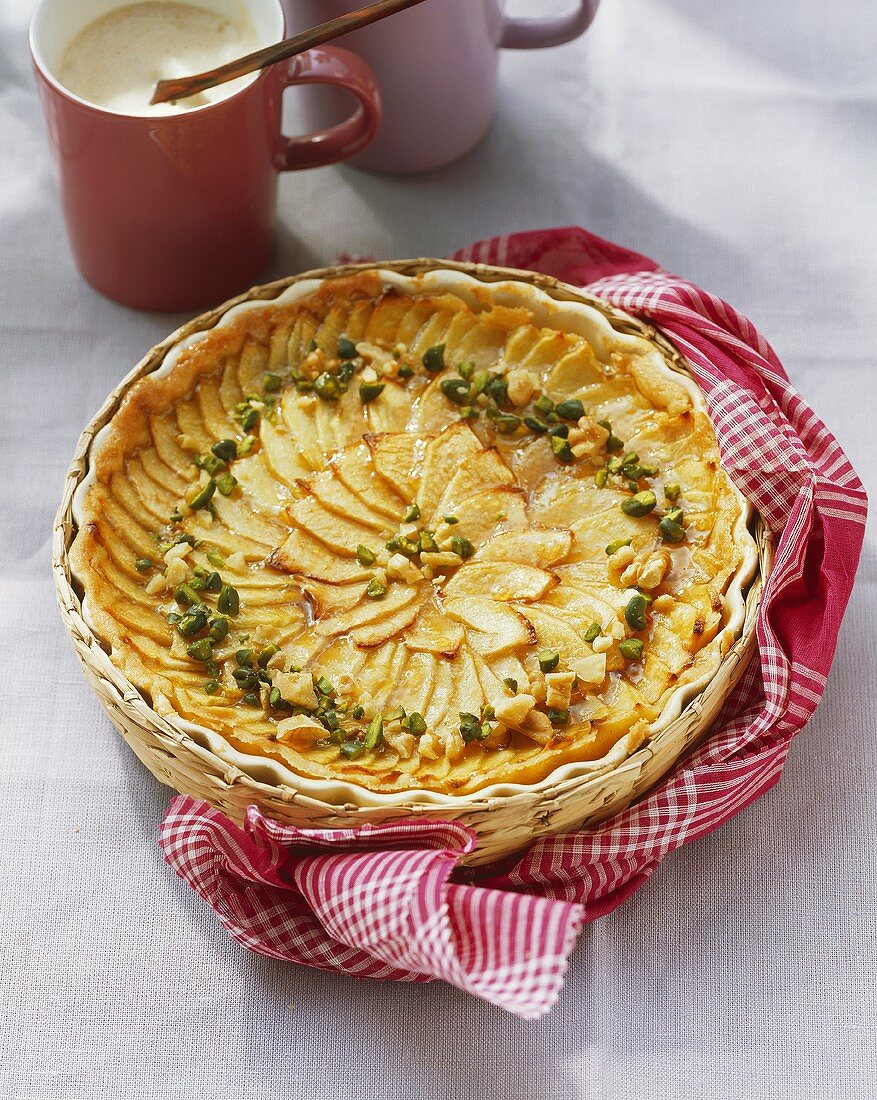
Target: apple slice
{"x":501,"y":581}
{"x":484,"y":470}
{"x":494,"y":628}
{"x":368,"y":612}
{"x":445,"y":454}
{"x":374,"y":634}
{"x":395,"y":457}
{"x":435,"y":633}
{"x":543,"y":546}
{"x":354,"y":467}
{"x":339,"y":534}
{"x":308,"y":557}
{"x":487,"y":514}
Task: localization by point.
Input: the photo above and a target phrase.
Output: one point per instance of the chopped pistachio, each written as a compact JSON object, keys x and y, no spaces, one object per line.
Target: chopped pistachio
{"x":479,"y":382}
{"x":512,"y":684}
{"x":200,"y":499}
{"x":415,"y":723}
{"x":275,"y":699}
{"x":326,"y":386}
{"x":631,"y":649}
{"x":635,"y":612}
{"x":346,"y":348}
{"x":427,"y":542}
{"x":671,"y":529}
{"x":226,"y":449}
{"x":213,"y":582}
{"x":469,"y":412}
{"x":215,"y":558}
{"x":507,"y":423}
{"x":456,"y":390}
{"x":210,"y":462}
{"x":186,"y":595}
{"x":544,"y":404}
{"x":434,"y":359}
{"x":226,"y":484}
{"x":370,"y":391}
{"x":535,"y":425}
{"x":201,"y":650}
{"x":616,"y":545}
{"x":562,"y":450}
{"x":351,"y":748}
{"x":251,"y":699}
{"x":412,"y":512}
{"x":245,"y":658}
{"x":450,"y":519}
{"x":467,"y":369}
{"x":571,"y":409}
{"x":211,"y":687}
{"x":374,"y":734}
{"x":405,"y":371}
{"x":325,"y":686}
{"x":561,"y":430}
{"x":193,"y":622}
{"x":143,"y":565}
{"x":357,"y":712}
{"x":364,"y":556}
{"x":672,"y":490}
{"x":471,"y":728}
{"x":376,"y":589}
{"x":640,"y":504}
{"x":271,"y":382}
{"x":218,"y":628}
{"x":245,"y":677}
{"x":613,"y":443}
{"x":497,"y":389}
{"x":592,"y":632}
{"x":548,"y":659}
{"x":249,"y":418}
{"x":246,"y":445}
{"x":601,"y":477}
{"x":558,"y":717}
{"x":229,"y":602}
{"x":463,"y":547}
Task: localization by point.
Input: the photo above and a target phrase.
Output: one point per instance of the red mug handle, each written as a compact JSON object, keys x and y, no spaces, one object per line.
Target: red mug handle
{"x":343,"y":69}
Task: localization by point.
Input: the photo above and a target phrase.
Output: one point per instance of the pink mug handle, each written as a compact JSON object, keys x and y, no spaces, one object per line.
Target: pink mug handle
{"x":343,"y":69}
{"x":533,"y":34}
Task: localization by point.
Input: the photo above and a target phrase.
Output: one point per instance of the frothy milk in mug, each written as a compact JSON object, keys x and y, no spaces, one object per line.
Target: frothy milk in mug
{"x":116,"y":60}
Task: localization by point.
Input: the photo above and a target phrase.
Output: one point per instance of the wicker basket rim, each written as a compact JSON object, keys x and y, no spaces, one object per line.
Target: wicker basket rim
{"x":238,"y":767}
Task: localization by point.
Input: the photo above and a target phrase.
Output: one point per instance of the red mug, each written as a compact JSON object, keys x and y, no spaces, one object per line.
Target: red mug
{"x":177,"y":211}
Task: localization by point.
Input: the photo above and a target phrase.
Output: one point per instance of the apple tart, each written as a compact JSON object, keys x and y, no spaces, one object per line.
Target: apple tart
{"x":414,"y":535}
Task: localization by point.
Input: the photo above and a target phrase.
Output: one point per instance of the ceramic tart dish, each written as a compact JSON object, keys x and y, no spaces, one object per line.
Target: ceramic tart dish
{"x":414,"y":538}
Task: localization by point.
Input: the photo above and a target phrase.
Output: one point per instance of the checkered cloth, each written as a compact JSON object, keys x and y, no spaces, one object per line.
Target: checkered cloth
{"x":385,"y":902}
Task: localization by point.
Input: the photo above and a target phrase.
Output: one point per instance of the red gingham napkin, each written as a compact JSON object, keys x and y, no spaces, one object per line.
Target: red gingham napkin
{"x":383,"y":902}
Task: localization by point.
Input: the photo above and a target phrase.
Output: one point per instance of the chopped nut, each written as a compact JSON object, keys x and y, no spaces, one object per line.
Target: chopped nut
{"x":176,"y":573}
{"x":522,"y":384}
{"x":296,"y":688}
{"x":538,"y":727}
{"x":513,"y":710}
{"x":558,"y":689}
{"x":401,"y":568}
{"x":188,"y":443}
{"x":156,"y":584}
{"x":306,"y":400}
{"x":429,"y":746}
{"x":602,"y":644}
{"x":403,"y":743}
{"x":591,"y":670}
{"x":663,"y":604}
{"x":619,"y":561}
{"x":588,"y":438}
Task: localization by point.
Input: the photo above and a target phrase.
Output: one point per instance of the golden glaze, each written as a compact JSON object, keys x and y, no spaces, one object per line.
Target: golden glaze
{"x":329,"y":475}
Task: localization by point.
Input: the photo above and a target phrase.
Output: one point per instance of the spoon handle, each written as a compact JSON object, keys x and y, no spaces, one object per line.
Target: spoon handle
{"x":183,"y":86}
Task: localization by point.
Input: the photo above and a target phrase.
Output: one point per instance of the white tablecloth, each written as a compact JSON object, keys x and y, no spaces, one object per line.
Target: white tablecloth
{"x":735,"y":142}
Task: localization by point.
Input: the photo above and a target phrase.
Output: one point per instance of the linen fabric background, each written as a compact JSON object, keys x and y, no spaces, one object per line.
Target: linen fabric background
{"x":733,"y":143}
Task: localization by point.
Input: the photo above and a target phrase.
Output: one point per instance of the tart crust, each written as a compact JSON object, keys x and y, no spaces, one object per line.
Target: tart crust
{"x":461,"y":626}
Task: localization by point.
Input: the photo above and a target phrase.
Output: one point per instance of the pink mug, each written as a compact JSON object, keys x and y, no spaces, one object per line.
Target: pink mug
{"x":177,"y":212}
{"x":437,"y":65}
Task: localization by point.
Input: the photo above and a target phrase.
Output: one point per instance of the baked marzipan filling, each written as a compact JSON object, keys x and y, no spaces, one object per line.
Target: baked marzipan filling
{"x":410,"y":542}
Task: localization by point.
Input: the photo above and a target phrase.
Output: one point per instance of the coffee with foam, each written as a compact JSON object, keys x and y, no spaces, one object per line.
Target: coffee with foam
{"x":116,"y":60}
